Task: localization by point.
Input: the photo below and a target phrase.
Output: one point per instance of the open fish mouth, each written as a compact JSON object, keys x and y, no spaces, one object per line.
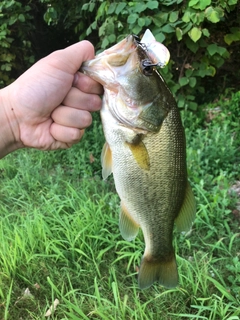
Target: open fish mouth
{"x":154,"y":54}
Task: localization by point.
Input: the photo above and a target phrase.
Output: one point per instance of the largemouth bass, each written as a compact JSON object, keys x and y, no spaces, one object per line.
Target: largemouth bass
{"x":145,"y":150}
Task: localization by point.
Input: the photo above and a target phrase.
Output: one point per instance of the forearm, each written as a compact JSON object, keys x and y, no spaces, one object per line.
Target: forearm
{"x":8,"y":125}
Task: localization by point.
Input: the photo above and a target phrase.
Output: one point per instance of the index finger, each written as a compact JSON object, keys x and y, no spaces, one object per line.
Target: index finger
{"x":86,"y":84}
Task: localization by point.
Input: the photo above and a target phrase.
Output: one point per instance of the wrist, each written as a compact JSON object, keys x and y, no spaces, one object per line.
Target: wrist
{"x":9,"y":127}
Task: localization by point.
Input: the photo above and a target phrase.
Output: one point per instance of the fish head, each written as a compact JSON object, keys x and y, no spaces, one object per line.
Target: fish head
{"x":136,"y":91}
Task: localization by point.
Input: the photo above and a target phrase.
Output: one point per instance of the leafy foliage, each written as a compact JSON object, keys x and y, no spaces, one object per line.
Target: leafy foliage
{"x":202,"y":35}
{"x":198,"y":34}
{"x":15,"y":49}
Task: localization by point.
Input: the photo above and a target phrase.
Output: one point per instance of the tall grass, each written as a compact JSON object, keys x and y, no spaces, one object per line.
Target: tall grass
{"x":59,"y":233}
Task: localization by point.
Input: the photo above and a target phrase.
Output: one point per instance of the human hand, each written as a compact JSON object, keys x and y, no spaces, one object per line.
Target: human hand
{"x":49,"y":106}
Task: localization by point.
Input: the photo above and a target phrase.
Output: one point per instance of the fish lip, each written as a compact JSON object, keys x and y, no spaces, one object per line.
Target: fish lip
{"x":127,"y":44}
{"x":99,"y":68}
{"x":123,"y":45}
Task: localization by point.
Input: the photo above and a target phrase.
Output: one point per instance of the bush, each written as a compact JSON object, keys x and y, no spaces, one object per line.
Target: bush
{"x":15,"y":48}
{"x":199,"y":34}
{"x":202,"y":35}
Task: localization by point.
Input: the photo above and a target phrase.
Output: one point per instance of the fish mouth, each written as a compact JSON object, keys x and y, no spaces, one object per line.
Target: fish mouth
{"x":119,"y":59}
{"x":104,"y":67}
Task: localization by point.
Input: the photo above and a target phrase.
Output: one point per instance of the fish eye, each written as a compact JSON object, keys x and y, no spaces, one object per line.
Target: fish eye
{"x":147,"y":67}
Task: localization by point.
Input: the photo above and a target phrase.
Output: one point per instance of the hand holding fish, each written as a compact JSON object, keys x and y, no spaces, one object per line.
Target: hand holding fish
{"x":49,"y":106}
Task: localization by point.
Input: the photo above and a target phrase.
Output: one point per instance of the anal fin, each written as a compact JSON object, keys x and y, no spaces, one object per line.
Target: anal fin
{"x":187,"y":213}
{"x":128,"y":227}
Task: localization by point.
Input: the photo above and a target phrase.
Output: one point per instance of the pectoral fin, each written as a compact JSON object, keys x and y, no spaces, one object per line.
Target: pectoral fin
{"x":140,"y":154}
{"x":106,"y":160}
{"x":187,"y":213}
{"x":128,"y":227}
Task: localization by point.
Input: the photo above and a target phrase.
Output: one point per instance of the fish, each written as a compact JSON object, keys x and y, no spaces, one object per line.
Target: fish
{"x":145,"y":150}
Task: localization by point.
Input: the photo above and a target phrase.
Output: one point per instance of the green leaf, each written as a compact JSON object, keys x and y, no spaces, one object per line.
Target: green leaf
{"x":94,"y":25}
{"x":213,"y":17}
{"x":141,"y":22}
{"x":89,"y":30}
{"x":168,"y":28}
{"x":217,"y":61}
{"x":160,"y":18}
{"x":21,"y":17}
{"x":160,"y":37}
{"x":136,"y":29}
{"x":173,"y":17}
{"x":203,"y":4}
{"x":105,"y":43}
{"x":101,"y":30}
{"x":152,"y":5}
{"x":12,"y":20}
{"x":148,"y":21}
{"x":186,"y":17}
{"x":192,"y":82}
{"x":199,"y":4}
{"x":232,"y":2}
{"x":187,"y":28}
{"x":230,"y":37}
{"x":132,"y":18}
{"x":192,"y":3}
{"x":212,"y":49}
{"x":195,"y":34}
{"x":85,"y":6}
{"x":181,"y":102}
{"x":179,"y":34}
{"x":205,"y":32}
{"x":120,"y":7}
{"x":190,"y":97}
{"x":112,"y":38}
{"x":214,"y":14}
{"x":101,"y":10}
{"x":192,"y":45}
{"x":223,"y":52}
{"x":91,"y":6}
{"x":192,"y":106}
{"x":200,"y":17}
{"x":139,"y":7}
{"x":183,"y":81}
{"x":188,"y":72}
{"x":111,"y":8}
{"x":211,"y":71}
{"x":110,"y":26}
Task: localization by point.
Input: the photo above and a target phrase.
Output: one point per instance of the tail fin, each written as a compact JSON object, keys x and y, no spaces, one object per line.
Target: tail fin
{"x":158,"y":270}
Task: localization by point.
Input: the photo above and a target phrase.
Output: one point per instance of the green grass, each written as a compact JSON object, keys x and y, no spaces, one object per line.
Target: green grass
{"x":59,"y":233}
